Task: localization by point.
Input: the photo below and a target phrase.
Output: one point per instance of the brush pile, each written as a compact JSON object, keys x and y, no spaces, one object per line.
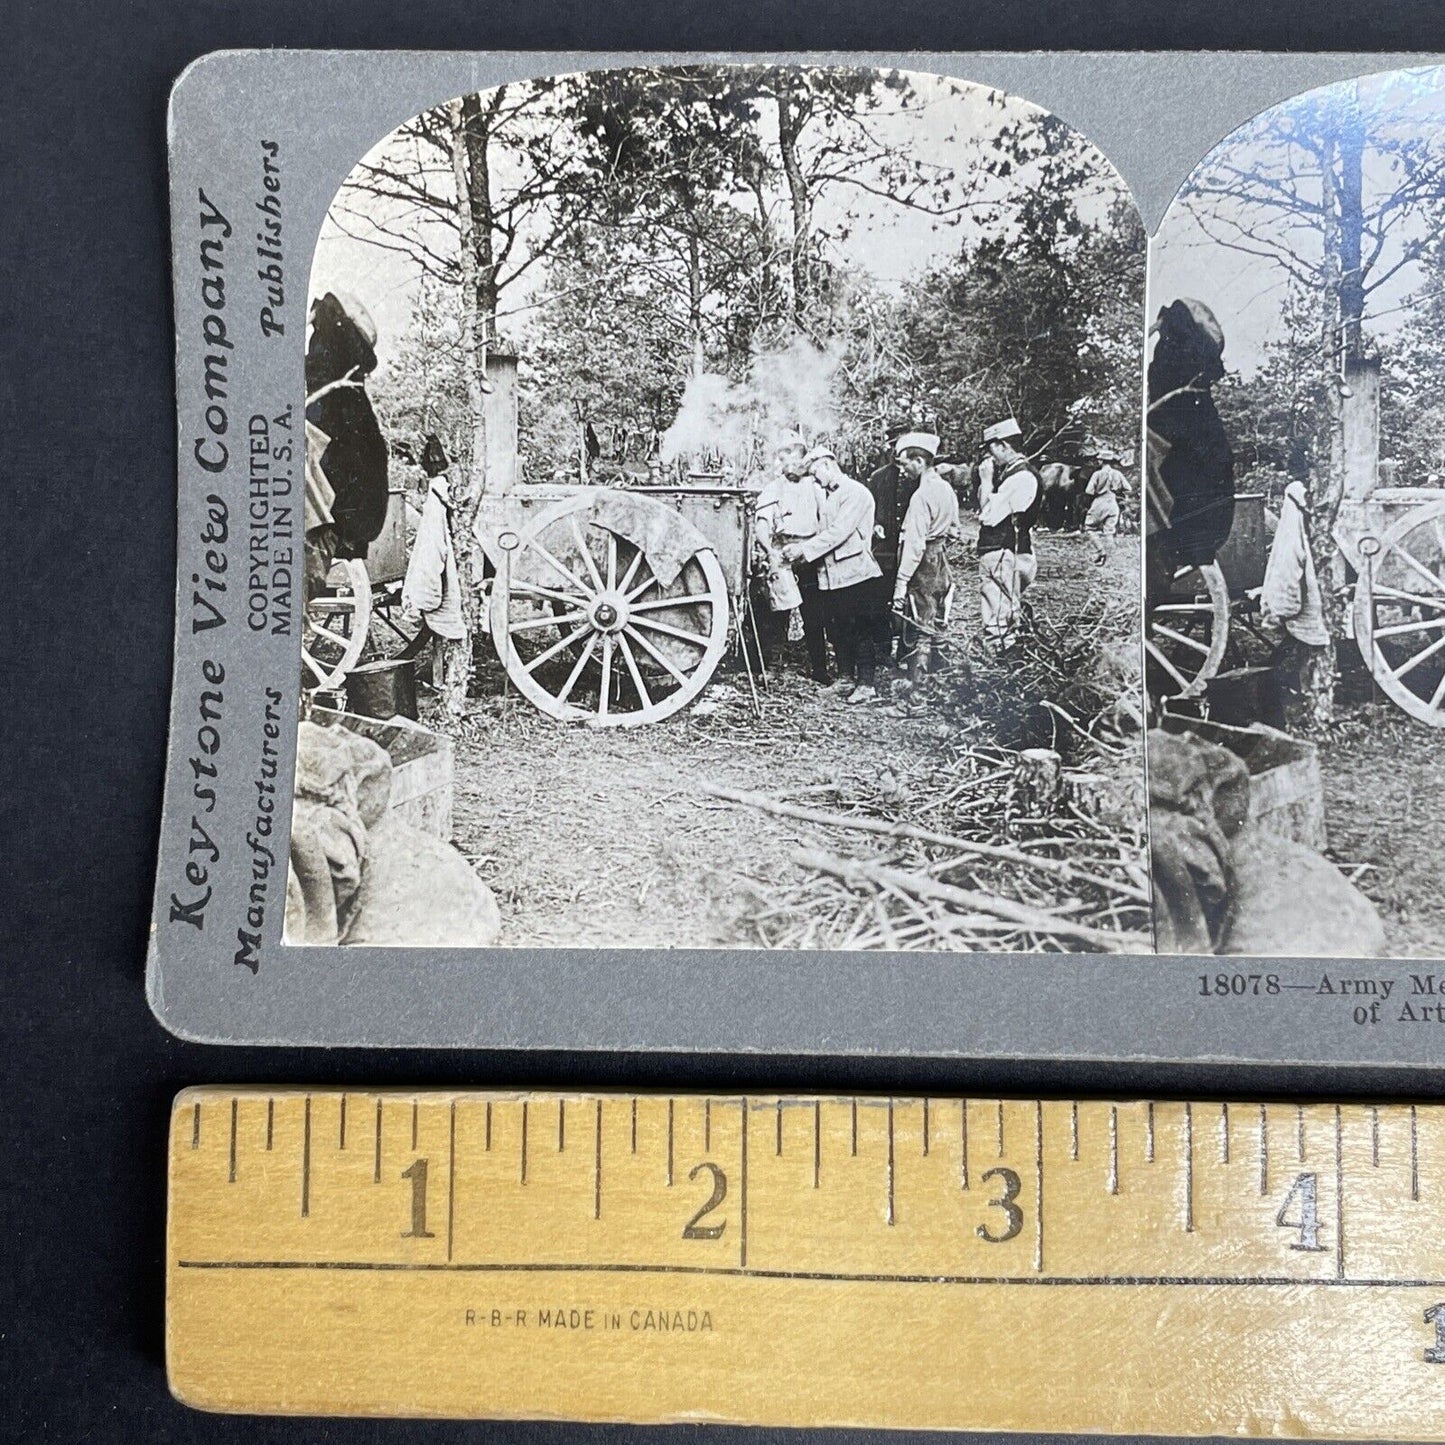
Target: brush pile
{"x":964,"y":851}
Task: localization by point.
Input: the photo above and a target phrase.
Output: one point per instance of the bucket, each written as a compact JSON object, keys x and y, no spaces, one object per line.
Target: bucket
{"x":382,"y":689}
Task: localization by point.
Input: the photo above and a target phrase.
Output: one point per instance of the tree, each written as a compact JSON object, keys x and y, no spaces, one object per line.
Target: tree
{"x":1330,"y":188}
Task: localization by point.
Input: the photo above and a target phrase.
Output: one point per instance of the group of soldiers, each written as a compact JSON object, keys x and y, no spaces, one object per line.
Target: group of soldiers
{"x":865,"y":566}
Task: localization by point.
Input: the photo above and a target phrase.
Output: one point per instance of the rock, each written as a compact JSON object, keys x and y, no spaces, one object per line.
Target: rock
{"x":1288,"y":900}
{"x":419,"y":892}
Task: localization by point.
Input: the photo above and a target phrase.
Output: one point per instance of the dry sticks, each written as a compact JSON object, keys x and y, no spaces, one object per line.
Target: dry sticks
{"x":861,"y":823}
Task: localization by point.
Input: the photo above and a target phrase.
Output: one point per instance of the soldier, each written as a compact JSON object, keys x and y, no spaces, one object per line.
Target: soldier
{"x":849,"y":577}
{"x":787,"y":512}
{"x":922,"y":583}
{"x":1104,"y":489}
{"x":1008,"y":507}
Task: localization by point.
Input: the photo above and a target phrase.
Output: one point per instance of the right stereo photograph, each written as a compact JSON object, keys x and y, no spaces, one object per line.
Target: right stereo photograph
{"x":1295,"y":532}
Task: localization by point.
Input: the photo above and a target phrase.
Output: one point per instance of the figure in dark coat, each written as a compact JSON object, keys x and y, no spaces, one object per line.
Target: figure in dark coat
{"x":339,"y":357}
{"x":1189,"y":451}
{"x":892,"y":491}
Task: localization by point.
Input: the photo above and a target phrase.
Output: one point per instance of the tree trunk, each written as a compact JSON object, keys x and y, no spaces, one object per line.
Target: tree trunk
{"x":789,"y":129}
{"x":456,"y":658}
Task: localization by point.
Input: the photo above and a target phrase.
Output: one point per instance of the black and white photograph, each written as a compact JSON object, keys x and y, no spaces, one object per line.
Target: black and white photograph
{"x":723,"y":511}
{"x":1295,"y":607}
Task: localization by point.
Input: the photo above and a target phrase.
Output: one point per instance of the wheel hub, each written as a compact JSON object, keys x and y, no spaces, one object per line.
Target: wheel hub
{"x":608,"y":613}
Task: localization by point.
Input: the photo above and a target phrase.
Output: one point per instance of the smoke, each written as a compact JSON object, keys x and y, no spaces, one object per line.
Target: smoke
{"x":787,"y":389}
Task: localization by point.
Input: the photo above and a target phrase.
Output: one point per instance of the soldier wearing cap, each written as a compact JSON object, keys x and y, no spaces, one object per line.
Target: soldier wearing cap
{"x":1008,"y":507}
{"x":922,"y":582}
{"x":850,"y":579}
{"x":787,"y":511}
{"x":1104,"y":489}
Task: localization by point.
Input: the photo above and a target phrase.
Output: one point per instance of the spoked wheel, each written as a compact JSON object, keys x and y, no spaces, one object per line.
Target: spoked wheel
{"x":1399,"y":612}
{"x":335,"y":629}
{"x":586,"y":630}
{"x":1186,"y":633}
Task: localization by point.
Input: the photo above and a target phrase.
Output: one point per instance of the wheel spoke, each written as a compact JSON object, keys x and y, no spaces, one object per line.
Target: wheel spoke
{"x":1179,"y":637}
{"x":1396,"y":629}
{"x":1417,"y":566}
{"x":1393,"y":594}
{"x":664,"y":603}
{"x":341,"y":641}
{"x":556,"y":647}
{"x":586,"y":551}
{"x":696,"y":638}
{"x":531,"y":589}
{"x":530,"y":624}
{"x":648,"y":581}
{"x":1164,"y":662}
{"x":577,"y":669}
{"x":607,"y":648}
{"x":631,"y":571}
{"x":322,"y":673}
{"x":656,"y":656}
{"x":1191,"y":608}
{"x":1423,"y":655}
{"x":643,"y":696}
{"x":611,"y":560}
{"x":583,"y":589}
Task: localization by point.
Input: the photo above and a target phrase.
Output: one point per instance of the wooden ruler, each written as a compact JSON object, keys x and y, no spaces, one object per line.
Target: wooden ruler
{"x":1145,"y":1267}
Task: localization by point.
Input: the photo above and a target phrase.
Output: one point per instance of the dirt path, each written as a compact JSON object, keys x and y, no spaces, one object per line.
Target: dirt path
{"x":603,"y":837}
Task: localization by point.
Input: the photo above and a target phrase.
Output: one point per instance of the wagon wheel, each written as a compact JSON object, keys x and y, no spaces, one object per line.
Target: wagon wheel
{"x":588,"y":633}
{"x":1187,"y":631}
{"x":336,"y":624}
{"x":1399,"y":612}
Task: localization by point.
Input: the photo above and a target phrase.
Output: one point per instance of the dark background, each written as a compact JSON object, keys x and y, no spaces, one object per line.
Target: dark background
{"x":88,"y":489}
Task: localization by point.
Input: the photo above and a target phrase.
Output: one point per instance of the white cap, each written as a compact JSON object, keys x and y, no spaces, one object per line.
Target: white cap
{"x":792,"y":442}
{"x":817,"y":454}
{"x":1002,"y":431}
{"x":916,"y":441}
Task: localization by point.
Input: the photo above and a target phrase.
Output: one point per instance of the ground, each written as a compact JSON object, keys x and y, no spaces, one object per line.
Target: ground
{"x":1384,"y":775}
{"x":605,"y":837}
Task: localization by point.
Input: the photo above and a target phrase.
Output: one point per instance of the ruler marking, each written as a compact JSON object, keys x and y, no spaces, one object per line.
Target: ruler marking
{"x":232,"y":1176}
{"x":451,"y":1177}
{"x":341,"y":1140}
{"x":524,"y":1142}
{"x":376,"y":1171}
{"x":891,"y":1217}
{"x":1189,"y":1168}
{"x":817,"y":1142}
{"x":413,"y":1123}
{"x":1263,"y":1149}
{"x":1039,"y":1185}
{"x":1113,"y":1148}
{"x":1224,"y":1133}
{"x":597,"y":1168}
{"x":1292,"y":1282}
{"x":1149,"y":1133}
{"x":561,"y":1126}
{"x":743,"y":1193}
{"x":669,"y":1143}
{"x":1339,"y":1197}
{"x":963,"y":1143}
{"x":1000,"y":1128}
{"x":707,"y":1126}
{"x":487,"y":1135}
{"x":306,"y":1162}
{"x":855,"y":1128}
{"x":925,"y":1128}
{"x":270,"y":1120}
{"x":1414,"y":1157}
{"x":1375,"y":1136}
{"x":196,"y":1126}
{"x":779,"y":1112}
{"x":634,"y":1123}
{"x":1073,"y":1129}
{"x":1299,"y":1133}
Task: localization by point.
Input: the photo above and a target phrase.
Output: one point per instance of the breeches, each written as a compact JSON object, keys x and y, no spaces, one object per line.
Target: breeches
{"x":858,"y":625}
{"x":1003,"y":577}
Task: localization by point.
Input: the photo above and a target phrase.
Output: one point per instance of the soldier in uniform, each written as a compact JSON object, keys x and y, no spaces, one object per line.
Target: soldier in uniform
{"x":1008,"y":507}
{"x":922,"y":582}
